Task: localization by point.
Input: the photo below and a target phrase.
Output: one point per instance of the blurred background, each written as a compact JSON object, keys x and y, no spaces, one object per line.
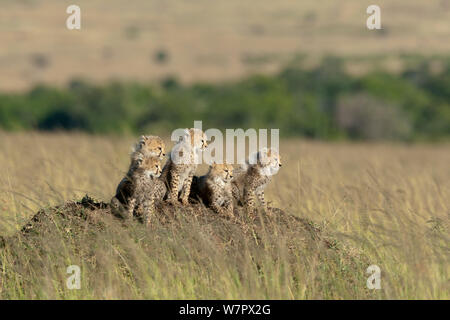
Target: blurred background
{"x":310,"y":68}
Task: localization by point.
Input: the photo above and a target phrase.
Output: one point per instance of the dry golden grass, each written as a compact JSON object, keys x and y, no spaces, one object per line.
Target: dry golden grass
{"x":381,"y":204}
{"x":205,"y":40}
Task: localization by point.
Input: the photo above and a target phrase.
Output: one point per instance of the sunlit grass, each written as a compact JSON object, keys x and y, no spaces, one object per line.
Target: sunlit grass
{"x":379,"y":204}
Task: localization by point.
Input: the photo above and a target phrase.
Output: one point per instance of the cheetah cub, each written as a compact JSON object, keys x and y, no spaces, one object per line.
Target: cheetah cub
{"x":214,"y":188}
{"x":148,"y":147}
{"x":137,"y":192}
{"x":254,"y":176}
{"x":182,"y":163}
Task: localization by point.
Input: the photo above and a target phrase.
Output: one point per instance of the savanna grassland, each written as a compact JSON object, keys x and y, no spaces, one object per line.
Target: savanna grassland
{"x":200,"y":41}
{"x":347,"y":206}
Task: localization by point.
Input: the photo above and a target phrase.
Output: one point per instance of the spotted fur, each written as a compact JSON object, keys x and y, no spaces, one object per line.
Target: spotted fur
{"x":182,"y":163}
{"x":248,"y":186}
{"x":214,"y":189}
{"x":148,"y":147}
{"x":137,"y":192}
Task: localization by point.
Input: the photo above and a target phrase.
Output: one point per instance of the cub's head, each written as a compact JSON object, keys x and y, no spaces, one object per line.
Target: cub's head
{"x":269,"y":160}
{"x":196,"y":138}
{"x":151,"y":167}
{"x":151,"y":146}
{"x":222,"y":171}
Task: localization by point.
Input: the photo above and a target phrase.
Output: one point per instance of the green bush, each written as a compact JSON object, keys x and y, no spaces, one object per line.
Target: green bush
{"x":323,"y":103}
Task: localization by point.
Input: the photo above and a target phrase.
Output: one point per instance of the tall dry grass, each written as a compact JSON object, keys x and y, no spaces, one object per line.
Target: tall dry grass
{"x":361,"y":204}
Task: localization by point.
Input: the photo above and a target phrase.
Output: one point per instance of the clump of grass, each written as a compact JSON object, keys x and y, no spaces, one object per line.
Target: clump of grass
{"x":161,"y":56}
{"x":39,"y":60}
{"x":132,"y":32}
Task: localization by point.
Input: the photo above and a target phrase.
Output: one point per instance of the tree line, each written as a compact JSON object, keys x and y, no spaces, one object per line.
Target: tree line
{"x":324,"y":102}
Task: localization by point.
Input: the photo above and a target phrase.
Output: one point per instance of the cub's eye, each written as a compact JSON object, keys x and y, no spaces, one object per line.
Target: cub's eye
{"x":159,"y":148}
{"x":226,"y":171}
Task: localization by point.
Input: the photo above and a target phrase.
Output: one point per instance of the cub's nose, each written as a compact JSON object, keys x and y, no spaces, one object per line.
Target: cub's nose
{"x":163,"y":154}
{"x":280,"y":164}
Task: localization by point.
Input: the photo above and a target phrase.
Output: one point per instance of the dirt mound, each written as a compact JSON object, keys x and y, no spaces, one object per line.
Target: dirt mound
{"x":90,"y":216}
{"x":87,"y":210}
{"x":183,"y":243}
{"x":88,"y":220}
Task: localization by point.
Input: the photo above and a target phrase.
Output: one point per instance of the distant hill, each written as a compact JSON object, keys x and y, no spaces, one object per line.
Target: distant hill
{"x":206,"y":40}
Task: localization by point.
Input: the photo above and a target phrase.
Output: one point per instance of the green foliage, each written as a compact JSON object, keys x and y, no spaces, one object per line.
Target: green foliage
{"x":320,"y":103}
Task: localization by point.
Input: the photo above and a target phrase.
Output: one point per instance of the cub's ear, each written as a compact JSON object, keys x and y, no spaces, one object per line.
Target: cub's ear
{"x":138,"y":161}
{"x":142,"y":141}
{"x":263,"y":157}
